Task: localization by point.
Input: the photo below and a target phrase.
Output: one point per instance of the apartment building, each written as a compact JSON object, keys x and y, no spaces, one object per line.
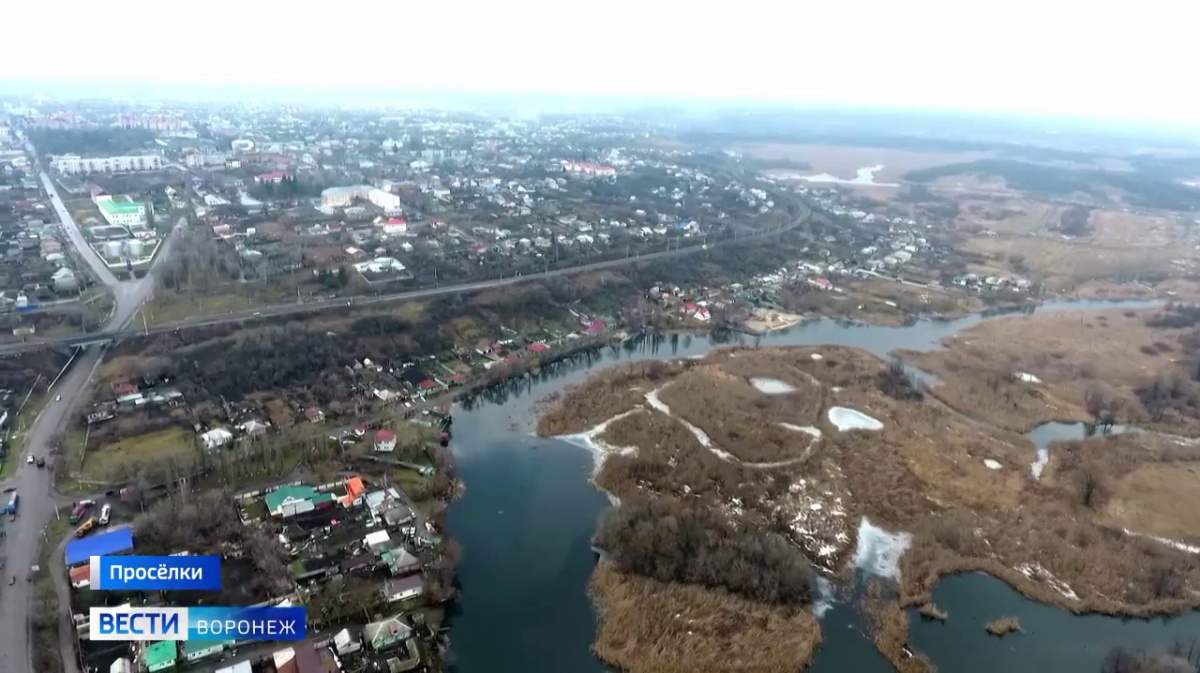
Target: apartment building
{"x":73,"y":164}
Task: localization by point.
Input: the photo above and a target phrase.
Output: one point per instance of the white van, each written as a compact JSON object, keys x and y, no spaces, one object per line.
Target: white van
{"x":104,"y":512}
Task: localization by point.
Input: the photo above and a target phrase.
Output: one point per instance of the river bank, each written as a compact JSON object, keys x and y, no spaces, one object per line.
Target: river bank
{"x":494,"y":453}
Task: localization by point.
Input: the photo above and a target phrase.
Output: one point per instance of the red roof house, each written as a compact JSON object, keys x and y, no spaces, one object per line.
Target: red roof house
{"x":385,"y":440}
{"x":538,"y":348}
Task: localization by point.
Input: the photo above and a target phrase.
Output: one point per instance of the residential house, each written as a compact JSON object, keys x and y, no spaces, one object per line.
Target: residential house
{"x":161,"y":655}
{"x":403,"y":588}
{"x":385,"y":440}
{"x":195,"y":650}
{"x":216,"y":438}
{"x":314,"y":415}
{"x":378,"y":540}
{"x":345,"y":643}
{"x":121,"y":665}
{"x":300,"y":658}
{"x":291,"y":500}
{"x":387,"y":633}
{"x":401,"y":562}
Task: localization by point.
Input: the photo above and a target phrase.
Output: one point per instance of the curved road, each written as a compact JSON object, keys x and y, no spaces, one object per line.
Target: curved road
{"x":35,"y":486}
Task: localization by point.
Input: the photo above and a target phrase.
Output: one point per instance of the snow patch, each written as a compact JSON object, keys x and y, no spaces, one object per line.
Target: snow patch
{"x":1036,"y":572}
{"x":601,"y":450}
{"x":806,"y":429}
{"x":825,"y":598}
{"x":817,"y":356}
{"x":1028,"y":378}
{"x":878,"y":552}
{"x":845,"y":418}
{"x":992,"y":464}
{"x":700,"y":435}
{"x":772,"y":386}
{"x":1174,"y":544}
{"x":1039,"y":464}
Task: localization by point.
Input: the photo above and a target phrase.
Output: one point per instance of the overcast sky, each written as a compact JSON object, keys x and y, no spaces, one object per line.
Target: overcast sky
{"x":1098,"y":59}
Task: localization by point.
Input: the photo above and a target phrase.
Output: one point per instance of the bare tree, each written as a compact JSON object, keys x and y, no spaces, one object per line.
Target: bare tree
{"x":1090,"y":485}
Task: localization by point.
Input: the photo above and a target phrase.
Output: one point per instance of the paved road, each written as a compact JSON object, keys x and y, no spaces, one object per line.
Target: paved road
{"x":326,"y":304}
{"x":35,"y":486}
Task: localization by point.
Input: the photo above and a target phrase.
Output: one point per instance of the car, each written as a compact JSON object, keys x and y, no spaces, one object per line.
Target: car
{"x":58,"y":398}
{"x":105,"y":512}
{"x":41,"y":462}
{"x":257,"y":313}
{"x":29,"y":460}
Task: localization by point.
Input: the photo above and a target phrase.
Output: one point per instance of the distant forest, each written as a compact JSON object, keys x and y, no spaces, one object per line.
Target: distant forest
{"x":1152,"y":185}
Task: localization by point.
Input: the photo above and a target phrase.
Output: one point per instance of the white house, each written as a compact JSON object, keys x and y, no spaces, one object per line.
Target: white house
{"x":216,"y":438}
{"x":403,"y":588}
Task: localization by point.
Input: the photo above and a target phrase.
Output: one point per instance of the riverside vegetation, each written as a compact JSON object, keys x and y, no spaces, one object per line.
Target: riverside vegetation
{"x":733,"y":478}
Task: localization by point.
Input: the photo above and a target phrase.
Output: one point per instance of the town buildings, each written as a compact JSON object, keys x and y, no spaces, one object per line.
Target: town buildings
{"x":73,"y":164}
{"x":121,"y":211}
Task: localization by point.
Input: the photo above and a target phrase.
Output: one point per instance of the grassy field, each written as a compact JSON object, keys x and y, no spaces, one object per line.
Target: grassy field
{"x":1148,"y":500}
{"x":102,"y":462}
{"x":20,"y":426}
{"x":167,"y":307}
{"x":667,"y":628}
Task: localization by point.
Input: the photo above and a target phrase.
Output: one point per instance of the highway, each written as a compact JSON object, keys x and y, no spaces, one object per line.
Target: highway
{"x":327,"y":304}
{"x":35,"y":486}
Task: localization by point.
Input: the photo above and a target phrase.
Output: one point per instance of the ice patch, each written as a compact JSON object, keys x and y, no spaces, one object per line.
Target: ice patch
{"x":600,"y":450}
{"x":1174,"y":544}
{"x":992,"y":464}
{"x":845,"y":418}
{"x":824,"y":599}
{"x":806,"y":429}
{"x":700,"y":435}
{"x":878,"y":552}
{"x":772,"y":386}
{"x":1039,"y":464}
{"x":1028,"y":378}
{"x":1036,"y":572}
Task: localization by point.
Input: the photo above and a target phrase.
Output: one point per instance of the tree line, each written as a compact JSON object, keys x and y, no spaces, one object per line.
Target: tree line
{"x":669,"y":541}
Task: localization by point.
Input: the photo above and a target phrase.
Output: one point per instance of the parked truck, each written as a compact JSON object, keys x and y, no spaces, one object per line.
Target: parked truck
{"x":11,"y":507}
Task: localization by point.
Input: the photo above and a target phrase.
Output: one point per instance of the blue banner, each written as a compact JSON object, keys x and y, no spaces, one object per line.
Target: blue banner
{"x":150,"y":573}
{"x":235,"y":624}
{"x":268,"y":623}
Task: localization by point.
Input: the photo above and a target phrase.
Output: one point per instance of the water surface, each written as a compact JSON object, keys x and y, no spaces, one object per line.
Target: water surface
{"x":528,"y":514}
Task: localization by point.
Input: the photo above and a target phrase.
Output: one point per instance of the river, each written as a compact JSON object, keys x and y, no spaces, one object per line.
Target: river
{"x":526,"y":520}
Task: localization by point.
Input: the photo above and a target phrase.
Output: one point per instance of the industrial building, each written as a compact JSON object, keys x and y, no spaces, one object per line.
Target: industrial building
{"x":122,"y":211}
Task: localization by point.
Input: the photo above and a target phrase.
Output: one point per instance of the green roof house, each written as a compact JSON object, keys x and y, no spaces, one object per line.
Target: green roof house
{"x":293,"y":500}
{"x":386,"y":633}
{"x":195,"y":650}
{"x":161,"y":656}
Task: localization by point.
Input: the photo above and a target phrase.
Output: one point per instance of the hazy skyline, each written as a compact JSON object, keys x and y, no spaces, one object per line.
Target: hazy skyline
{"x":1045,"y":58}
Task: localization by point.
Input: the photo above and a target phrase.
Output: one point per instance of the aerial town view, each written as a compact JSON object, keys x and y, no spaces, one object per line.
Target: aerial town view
{"x":575,"y":376}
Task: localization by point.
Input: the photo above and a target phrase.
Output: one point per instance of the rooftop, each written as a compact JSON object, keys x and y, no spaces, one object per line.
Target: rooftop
{"x":161,"y":652}
{"x":121,"y":207}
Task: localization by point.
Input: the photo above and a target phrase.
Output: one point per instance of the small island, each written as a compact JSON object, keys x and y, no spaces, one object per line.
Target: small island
{"x":743,"y":477}
{"x":1003,"y":626}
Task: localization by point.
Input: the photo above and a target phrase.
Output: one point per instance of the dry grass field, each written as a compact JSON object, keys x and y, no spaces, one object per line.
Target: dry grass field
{"x":653,"y":627}
{"x":961,"y":486}
{"x":1070,"y":352}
